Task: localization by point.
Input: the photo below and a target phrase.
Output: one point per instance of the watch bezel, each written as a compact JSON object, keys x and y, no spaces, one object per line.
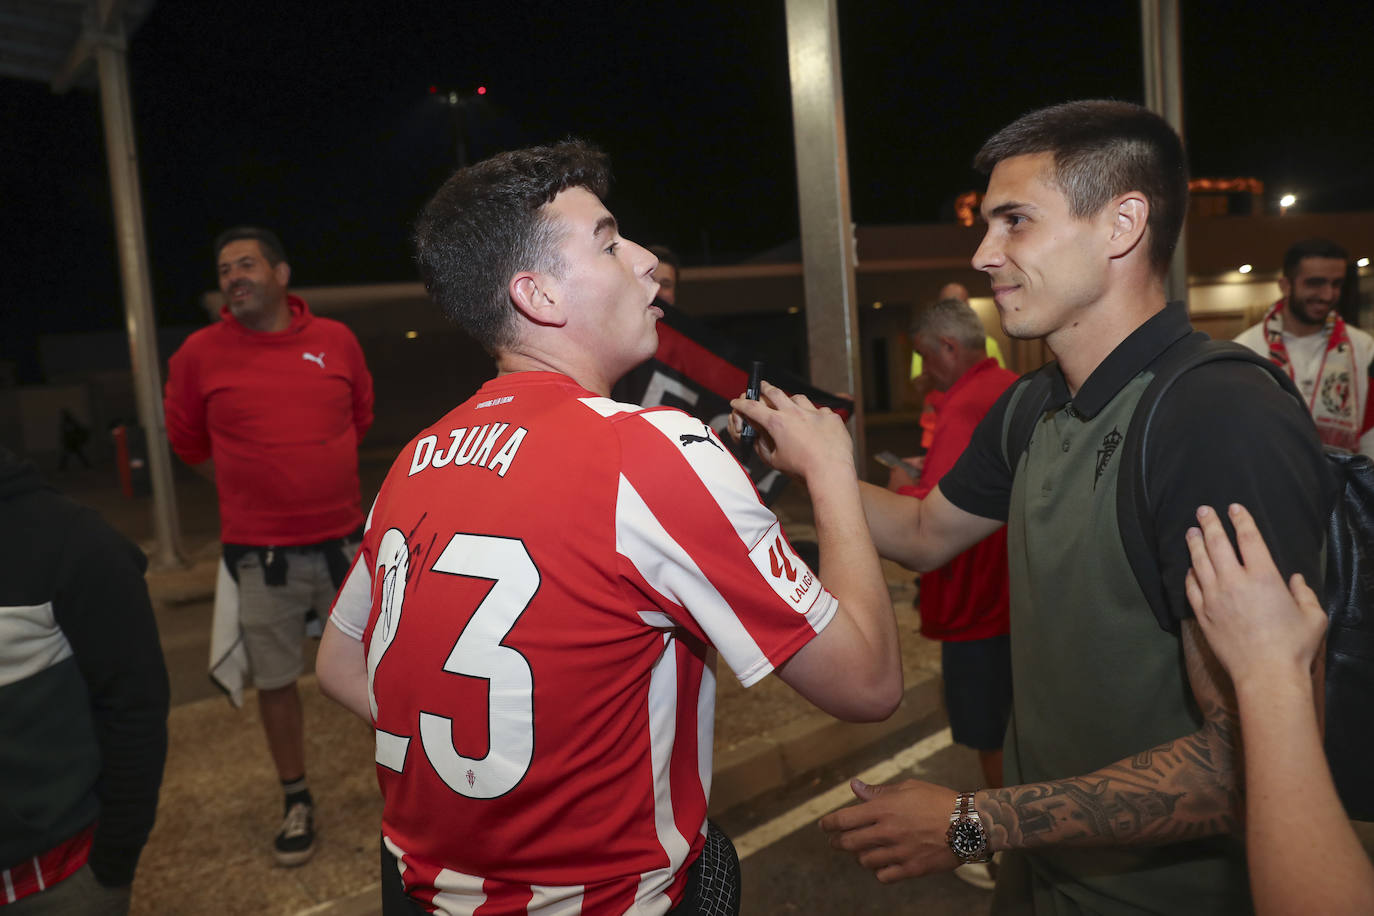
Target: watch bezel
{"x":967,"y":837}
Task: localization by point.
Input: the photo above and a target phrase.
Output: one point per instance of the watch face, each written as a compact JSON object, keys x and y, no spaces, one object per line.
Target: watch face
{"x":966,"y":839}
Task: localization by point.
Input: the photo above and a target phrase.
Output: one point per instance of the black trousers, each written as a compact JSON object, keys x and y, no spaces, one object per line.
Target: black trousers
{"x":713,"y":882}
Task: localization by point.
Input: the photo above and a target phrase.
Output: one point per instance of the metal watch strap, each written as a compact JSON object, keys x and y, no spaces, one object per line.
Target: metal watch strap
{"x":963,"y":807}
{"x":964,"y":811}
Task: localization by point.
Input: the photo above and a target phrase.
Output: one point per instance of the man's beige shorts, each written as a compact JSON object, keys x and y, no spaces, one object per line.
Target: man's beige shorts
{"x":273,"y":616}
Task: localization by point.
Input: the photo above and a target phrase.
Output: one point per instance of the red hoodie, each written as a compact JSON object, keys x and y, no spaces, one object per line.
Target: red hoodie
{"x":968,"y":597}
{"x":281,"y":414}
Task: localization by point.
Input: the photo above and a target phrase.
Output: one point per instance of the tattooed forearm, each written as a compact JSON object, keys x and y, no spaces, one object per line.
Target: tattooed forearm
{"x":1185,"y":789}
{"x":1095,"y":808}
{"x":1162,"y":795}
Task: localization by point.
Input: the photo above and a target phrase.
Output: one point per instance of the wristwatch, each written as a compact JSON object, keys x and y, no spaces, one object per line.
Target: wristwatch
{"x":967,"y":838}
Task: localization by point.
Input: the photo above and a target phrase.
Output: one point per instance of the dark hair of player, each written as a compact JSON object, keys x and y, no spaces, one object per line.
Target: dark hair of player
{"x":1101,"y":149}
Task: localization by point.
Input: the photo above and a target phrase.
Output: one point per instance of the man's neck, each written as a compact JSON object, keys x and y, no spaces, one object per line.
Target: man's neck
{"x":271,"y":321}
{"x":1082,"y":346}
{"x":526,"y":358}
{"x":968,"y":358}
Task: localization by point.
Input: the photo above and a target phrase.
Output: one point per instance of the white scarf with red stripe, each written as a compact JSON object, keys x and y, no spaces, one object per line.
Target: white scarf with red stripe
{"x":1334,"y":403}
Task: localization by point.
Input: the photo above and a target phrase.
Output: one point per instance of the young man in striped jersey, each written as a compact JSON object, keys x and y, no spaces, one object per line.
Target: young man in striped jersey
{"x":547,"y":576}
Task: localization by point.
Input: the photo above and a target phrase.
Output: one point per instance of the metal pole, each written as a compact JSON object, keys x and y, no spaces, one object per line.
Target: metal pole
{"x":138,"y":299}
{"x":1163,"y":56}
{"x":827,"y":231}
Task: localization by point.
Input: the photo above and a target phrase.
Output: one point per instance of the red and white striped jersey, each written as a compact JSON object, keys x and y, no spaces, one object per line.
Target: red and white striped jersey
{"x":544,"y":578}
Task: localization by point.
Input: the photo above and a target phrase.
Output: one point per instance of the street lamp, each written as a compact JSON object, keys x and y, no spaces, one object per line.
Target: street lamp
{"x":1285,"y":202}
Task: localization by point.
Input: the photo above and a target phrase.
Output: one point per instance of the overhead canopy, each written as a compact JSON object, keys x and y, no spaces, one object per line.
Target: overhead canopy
{"x":53,"y":41}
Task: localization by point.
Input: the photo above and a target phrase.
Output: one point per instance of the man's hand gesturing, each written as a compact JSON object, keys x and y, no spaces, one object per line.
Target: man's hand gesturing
{"x":897,"y":830}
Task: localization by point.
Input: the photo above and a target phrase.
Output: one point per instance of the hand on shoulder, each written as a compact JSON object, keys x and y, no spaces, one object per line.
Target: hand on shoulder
{"x":1256,"y":625}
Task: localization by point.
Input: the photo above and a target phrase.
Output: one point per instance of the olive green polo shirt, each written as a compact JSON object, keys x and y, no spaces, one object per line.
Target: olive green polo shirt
{"x":1096,"y":677}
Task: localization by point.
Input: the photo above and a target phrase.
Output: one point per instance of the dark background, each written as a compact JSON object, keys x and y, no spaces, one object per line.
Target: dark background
{"x":316,"y":119}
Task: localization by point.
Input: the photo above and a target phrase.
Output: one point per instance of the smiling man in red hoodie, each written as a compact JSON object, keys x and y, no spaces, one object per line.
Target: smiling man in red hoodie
{"x":270,"y":403}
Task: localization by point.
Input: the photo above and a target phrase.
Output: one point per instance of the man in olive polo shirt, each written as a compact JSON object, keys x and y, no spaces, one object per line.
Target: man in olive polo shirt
{"x":1122,"y":758}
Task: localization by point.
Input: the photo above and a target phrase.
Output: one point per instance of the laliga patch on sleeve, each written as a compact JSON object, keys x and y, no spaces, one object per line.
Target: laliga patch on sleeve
{"x":785,"y":571}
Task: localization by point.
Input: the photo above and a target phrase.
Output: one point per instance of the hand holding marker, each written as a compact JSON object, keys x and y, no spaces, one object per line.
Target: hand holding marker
{"x":747,"y":433}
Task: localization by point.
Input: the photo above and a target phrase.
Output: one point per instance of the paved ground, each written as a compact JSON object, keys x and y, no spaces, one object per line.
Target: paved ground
{"x":798,"y":873}
{"x":209,"y":851}
{"x":774,"y":754}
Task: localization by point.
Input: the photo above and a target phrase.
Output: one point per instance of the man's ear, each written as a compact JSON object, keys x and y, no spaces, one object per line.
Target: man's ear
{"x":282,"y":271}
{"x":1285,"y":285}
{"x":529,"y":297}
{"x":1130,"y":215}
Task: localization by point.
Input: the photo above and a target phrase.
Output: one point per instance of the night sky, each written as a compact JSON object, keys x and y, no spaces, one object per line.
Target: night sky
{"x":316,"y":119}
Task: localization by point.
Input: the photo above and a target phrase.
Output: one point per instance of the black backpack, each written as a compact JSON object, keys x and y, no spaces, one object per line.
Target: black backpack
{"x":1349,"y":554}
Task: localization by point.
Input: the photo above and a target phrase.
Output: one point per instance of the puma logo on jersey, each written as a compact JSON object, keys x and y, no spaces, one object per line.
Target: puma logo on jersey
{"x":318,"y":360}
{"x":687,"y":439}
{"x":785,"y":571}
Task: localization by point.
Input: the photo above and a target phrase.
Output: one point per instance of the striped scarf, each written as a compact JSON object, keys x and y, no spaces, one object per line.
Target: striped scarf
{"x":1333,"y":403}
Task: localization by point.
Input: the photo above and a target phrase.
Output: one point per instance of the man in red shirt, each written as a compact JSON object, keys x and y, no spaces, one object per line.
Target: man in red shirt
{"x":547,"y":576}
{"x":964,"y":603}
{"x":270,"y":403}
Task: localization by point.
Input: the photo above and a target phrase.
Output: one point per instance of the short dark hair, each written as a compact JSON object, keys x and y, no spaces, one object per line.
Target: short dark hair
{"x":1311,"y":248}
{"x":667,"y":256}
{"x":486,"y":223}
{"x":1103,"y":148}
{"x":267,"y":240}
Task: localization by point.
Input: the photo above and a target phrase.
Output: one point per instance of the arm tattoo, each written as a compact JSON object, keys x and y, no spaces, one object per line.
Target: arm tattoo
{"x":1184,"y":789}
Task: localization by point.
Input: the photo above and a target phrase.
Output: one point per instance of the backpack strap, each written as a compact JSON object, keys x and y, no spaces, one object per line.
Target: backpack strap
{"x":1024,"y":411}
{"x":1350,"y":549}
{"x":1135,"y":520}
{"x":1350,"y":637}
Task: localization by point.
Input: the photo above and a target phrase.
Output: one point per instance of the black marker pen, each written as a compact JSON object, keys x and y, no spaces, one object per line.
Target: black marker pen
{"x":747,"y":433}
